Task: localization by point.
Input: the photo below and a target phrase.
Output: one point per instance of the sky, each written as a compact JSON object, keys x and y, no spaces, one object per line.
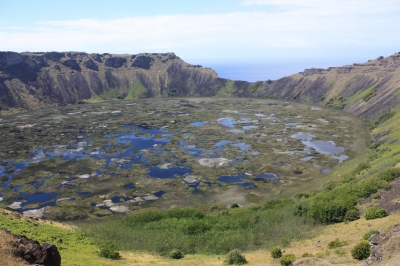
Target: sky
{"x":281,"y":33}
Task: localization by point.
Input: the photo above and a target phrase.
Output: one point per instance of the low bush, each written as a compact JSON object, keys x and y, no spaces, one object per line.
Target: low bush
{"x":307,"y":255}
{"x":374,"y":213}
{"x":185,"y":213}
{"x":336,"y":243}
{"x":389,"y":174}
{"x":361,"y":251}
{"x":352,"y":215}
{"x":109,"y":251}
{"x":176,"y":254}
{"x":287,"y":259}
{"x":276,"y":253}
{"x":370,"y":233}
{"x":235,"y":257}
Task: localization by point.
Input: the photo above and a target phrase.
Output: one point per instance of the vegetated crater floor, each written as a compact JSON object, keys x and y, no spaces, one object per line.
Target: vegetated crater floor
{"x":96,"y":160}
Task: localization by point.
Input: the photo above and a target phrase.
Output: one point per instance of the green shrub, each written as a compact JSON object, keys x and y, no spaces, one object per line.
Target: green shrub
{"x":287,"y":259}
{"x":276,"y":253}
{"x":195,"y":227}
{"x":307,"y":255}
{"x":370,"y":233}
{"x":389,"y":174}
{"x":176,"y":254}
{"x":336,"y":243}
{"x":360,"y":167}
{"x":235,"y":257}
{"x":374,"y":213}
{"x":144,"y":218}
{"x":361,"y":251}
{"x":352,"y":215}
{"x":109,"y":251}
{"x":185,"y":213}
{"x":274,"y":204}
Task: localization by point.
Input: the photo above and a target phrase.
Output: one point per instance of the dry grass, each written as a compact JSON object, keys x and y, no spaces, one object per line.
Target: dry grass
{"x":5,"y":251}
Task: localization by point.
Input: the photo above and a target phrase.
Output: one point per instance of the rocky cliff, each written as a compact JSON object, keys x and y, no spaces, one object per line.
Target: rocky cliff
{"x":37,"y":80}
{"x":365,"y":90}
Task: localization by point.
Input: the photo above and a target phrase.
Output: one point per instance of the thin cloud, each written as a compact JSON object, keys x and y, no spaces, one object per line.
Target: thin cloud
{"x":308,"y":30}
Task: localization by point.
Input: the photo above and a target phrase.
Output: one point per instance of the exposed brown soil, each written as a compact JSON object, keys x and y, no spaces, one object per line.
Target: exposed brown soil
{"x":389,"y":199}
{"x":6,"y":258}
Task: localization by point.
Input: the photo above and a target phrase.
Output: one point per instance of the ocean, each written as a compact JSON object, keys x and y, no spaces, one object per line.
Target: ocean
{"x":263,"y":71}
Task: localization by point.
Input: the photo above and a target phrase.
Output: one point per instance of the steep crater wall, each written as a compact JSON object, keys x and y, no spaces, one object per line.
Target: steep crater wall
{"x":31,"y":81}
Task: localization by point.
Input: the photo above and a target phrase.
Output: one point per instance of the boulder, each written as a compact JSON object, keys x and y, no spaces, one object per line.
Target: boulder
{"x":34,"y":253}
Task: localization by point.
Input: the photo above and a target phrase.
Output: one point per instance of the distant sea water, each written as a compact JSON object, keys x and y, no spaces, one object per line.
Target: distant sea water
{"x":263,"y":71}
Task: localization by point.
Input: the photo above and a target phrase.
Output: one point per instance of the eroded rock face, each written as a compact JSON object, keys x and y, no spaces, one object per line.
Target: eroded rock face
{"x":144,"y":62}
{"x":8,"y":59}
{"x":72,"y":64}
{"x":34,"y":253}
{"x":115,"y":62}
{"x":91,"y":65}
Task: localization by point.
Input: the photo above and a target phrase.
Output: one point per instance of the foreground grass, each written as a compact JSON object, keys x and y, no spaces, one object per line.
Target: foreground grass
{"x":75,"y":248}
{"x":194,"y":232}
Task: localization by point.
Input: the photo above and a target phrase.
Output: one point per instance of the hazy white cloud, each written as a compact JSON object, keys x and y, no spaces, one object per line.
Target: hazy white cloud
{"x":306,"y":28}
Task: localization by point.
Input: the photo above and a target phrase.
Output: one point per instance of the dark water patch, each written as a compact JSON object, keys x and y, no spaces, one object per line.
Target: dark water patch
{"x":16,"y":187}
{"x":242,"y":146}
{"x":220,"y":144}
{"x":117,"y":199}
{"x":19,"y":166}
{"x":249,"y":127}
{"x":85,"y":193}
{"x":130,"y":186}
{"x":138,"y":143}
{"x":267,"y":176}
{"x":325,"y":170}
{"x":103,"y":215}
{"x":324,"y":147}
{"x":98,"y":172}
{"x":156,"y":172}
{"x":193,"y":151}
{"x":159,"y":193}
{"x":35,"y":198}
{"x":197,"y":124}
{"x":73,"y":154}
{"x":340,"y":158}
{"x":232,"y":178}
{"x":236,"y":131}
{"x":181,"y":143}
{"x":39,"y":184}
{"x":307,"y":158}
{"x":229,"y":122}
